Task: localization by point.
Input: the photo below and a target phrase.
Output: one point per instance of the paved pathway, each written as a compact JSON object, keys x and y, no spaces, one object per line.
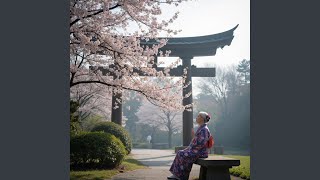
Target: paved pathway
{"x":158,"y":162}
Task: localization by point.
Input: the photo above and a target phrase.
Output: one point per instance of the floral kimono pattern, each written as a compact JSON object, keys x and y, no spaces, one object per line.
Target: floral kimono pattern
{"x":184,"y":159}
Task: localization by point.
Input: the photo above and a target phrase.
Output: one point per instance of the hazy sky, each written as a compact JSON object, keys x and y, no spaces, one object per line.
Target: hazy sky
{"x":205,"y":17}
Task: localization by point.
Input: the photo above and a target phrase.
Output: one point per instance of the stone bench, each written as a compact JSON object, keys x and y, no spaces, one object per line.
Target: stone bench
{"x":216,"y":167}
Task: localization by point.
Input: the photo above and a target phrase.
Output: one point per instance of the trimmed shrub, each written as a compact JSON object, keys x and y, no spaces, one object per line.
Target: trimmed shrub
{"x":116,"y":130}
{"x":95,"y":150}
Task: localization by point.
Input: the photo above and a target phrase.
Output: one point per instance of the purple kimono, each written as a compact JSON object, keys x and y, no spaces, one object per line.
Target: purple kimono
{"x":184,"y":159}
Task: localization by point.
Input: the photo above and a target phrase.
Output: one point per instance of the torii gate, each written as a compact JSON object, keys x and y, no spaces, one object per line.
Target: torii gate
{"x":186,"y":48}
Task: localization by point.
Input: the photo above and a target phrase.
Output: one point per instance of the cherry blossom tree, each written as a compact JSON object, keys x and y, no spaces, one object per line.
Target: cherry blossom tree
{"x":93,"y":99}
{"x":108,"y":33}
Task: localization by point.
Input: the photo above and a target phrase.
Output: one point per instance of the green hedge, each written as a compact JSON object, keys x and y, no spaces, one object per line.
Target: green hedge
{"x":116,"y":130}
{"x":95,"y":150}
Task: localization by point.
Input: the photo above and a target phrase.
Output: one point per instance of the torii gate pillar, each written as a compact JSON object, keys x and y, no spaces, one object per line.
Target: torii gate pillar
{"x":187,"y":114}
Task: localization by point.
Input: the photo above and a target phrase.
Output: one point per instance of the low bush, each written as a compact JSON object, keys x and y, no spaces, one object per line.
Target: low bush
{"x":116,"y":130}
{"x":243,"y":170}
{"x":95,"y":150}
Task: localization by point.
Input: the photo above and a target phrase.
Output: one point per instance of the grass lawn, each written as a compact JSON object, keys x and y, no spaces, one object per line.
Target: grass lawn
{"x":129,"y":164}
{"x":243,"y":170}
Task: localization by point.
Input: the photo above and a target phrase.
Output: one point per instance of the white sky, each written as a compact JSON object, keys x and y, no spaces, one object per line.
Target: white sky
{"x":205,"y":17}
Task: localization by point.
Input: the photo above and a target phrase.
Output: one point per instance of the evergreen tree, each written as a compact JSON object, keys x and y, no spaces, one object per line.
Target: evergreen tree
{"x":244,"y":71}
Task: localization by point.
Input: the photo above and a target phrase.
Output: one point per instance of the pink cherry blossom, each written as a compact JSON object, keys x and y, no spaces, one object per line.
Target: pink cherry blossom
{"x":108,"y":32}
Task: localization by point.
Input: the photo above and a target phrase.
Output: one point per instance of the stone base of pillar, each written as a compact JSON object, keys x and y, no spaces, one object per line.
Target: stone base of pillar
{"x":177,"y":148}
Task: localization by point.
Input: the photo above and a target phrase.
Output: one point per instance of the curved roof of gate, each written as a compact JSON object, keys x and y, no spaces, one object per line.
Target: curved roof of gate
{"x":195,"y":46}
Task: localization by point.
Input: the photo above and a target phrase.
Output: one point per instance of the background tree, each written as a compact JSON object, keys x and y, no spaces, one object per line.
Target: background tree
{"x":160,"y":119}
{"x":93,"y":99}
{"x":220,"y":88}
{"x":244,"y":71}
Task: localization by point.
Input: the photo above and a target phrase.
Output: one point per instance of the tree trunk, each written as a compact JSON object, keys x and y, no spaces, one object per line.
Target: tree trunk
{"x":170,"y":138}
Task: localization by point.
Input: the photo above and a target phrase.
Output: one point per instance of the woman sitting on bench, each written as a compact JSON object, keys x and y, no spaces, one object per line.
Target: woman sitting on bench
{"x":197,"y":148}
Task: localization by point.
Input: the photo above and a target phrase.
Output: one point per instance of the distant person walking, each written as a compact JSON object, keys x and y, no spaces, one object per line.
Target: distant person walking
{"x":197,"y":148}
{"x":149,"y":138}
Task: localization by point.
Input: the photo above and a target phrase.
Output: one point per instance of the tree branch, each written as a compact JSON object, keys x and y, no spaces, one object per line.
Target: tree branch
{"x":96,"y":13}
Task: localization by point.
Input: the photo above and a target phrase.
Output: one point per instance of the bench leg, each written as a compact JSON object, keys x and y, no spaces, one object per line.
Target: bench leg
{"x":214,"y":173}
{"x":203,"y":172}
